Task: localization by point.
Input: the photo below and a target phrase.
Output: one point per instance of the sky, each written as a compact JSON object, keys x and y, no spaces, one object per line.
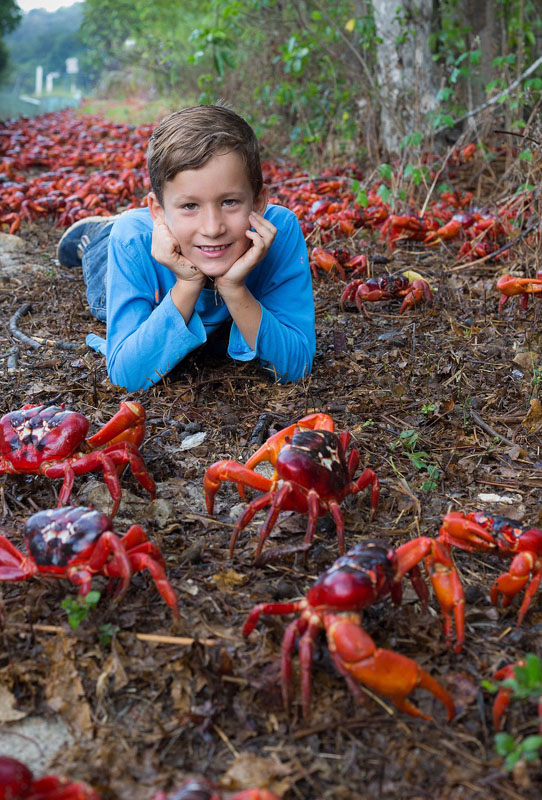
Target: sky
{"x":46,"y":5}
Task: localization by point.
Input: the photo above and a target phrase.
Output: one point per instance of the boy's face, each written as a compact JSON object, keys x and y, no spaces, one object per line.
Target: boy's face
{"x":207,"y":209}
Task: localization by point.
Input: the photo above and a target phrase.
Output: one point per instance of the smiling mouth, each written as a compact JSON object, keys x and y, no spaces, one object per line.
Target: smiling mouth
{"x":215,"y":249}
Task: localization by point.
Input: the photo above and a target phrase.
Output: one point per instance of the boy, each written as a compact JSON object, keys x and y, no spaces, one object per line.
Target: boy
{"x":206,"y":250}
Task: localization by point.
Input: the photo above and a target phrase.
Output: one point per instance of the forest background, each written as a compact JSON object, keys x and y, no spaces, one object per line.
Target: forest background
{"x":319,"y":83}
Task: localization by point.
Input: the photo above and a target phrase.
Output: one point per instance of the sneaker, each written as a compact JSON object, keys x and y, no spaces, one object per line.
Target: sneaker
{"x":77,"y":238}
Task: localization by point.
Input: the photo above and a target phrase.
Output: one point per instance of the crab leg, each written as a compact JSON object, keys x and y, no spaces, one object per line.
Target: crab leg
{"x":369,"y":478}
{"x":393,"y":675}
{"x":13,"y":565}
{"x":108,"y":544}
{"x":106,"y":460}
{"x":141,"y":561}
{"x":512,"y":582}
{"x":444,"y":578}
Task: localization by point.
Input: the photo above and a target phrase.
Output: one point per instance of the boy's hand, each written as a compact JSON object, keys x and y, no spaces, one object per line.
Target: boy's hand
{"x":166,"y":250}
{"x":262,"y":238}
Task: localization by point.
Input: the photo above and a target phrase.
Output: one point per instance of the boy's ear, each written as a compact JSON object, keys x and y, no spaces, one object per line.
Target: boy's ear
{"x":157,"y":212}
{"x":260,"y":203}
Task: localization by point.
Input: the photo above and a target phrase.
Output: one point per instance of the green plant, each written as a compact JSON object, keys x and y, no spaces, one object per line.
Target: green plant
{"x":106,"y":632}
{"x":419,"y":458}
{"x":78,"y":608}
{"x":525,"y":685}
{"x":428,"y":408}
{"x":536,"y":380}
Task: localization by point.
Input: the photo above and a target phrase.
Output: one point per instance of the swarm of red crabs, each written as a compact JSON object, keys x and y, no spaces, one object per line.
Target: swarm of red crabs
{"x":63,"y":167}
{"x":76,"y":543}
{"x":312,"y":475}
{"x":50,"y":441}
{"x":18,"y":783}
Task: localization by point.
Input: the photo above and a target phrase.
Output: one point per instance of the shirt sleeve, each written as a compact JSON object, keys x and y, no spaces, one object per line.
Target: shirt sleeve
{"x":286,"y":340}
{"x":145,"y":339}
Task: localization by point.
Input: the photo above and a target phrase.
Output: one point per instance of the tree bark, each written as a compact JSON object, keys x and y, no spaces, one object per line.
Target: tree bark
{"x":406,"y":70}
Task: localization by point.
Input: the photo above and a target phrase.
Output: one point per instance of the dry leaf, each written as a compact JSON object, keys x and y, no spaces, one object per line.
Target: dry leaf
{"x":249,"y":770}
{"x":64,"y":690}
{"x":533,"y":418}
{"x":7,"y":702}
{"x":113,"y":676}
{"x":227,"y":581}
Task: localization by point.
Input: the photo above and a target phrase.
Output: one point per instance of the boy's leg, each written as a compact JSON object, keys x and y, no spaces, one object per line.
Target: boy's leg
{"x":85,"y":244}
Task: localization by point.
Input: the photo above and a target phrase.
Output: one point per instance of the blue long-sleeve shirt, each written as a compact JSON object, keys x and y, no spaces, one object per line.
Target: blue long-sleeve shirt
{"x":147,"y":336}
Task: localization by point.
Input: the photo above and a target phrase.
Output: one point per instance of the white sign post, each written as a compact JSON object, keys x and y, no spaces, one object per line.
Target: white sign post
{"x":39,"y":81}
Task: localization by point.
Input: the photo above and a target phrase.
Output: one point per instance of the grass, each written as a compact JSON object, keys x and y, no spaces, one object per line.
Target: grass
{"x":132,"y":110}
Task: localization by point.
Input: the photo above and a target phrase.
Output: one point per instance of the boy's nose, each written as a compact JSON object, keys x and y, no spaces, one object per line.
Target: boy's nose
{"x":212,"y":224}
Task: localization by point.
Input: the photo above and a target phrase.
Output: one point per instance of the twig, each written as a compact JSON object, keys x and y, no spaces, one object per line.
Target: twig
{"x":37,"y":341}
{"x":13,"y":359}
{"x":157,"y":638}
{"x":488,"y":429}
{"x":493,"y":100}
{"x":8,"y":353}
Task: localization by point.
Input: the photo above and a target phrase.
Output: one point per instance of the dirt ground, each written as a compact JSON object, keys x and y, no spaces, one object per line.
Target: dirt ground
{"x":145,"y":714}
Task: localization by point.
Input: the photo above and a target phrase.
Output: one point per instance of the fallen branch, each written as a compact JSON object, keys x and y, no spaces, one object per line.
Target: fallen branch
{"x":493,"y":100}
{"x":157,"y":638}
{"x":488,"y":429}
{"x":37,"y":341}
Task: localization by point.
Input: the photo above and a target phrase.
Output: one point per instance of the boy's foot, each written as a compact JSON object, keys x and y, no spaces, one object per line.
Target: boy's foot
{"x":77,"y":238}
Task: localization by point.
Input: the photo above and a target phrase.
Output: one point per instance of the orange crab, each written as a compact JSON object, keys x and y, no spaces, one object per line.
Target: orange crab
{"x":312,"y":476}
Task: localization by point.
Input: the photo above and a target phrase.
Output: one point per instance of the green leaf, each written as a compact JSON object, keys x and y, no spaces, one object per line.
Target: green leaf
{"x":526,"y":155}
{"x":504,"y":744}
{"x":386,"y":172}
{"x":512,"y":759}
{"x":531,"y":743}
{"x":384,"y":192}
{"x":533,"y":669}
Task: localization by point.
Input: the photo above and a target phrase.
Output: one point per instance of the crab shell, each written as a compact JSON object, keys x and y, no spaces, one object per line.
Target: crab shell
{"x":30,"y":436}
{"x":314,"y":460}
{"x":61,"y":536}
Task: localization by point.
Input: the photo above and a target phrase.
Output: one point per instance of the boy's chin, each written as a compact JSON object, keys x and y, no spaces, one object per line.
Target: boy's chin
{"x":215,"y":271}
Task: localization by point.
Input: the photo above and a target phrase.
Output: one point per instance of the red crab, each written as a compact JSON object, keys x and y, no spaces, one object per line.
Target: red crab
{"x":387,"y":287}
{"x":478,"y":533}
{"x":502,"y":700}
{"x":50,"y":441}
{"x":202,"y":789}
{"x":77,"y":542}
{"x":509,"y":285}
{"x":312,"y":476}
{"x":17,"y":783}
{"x":368,"y":572}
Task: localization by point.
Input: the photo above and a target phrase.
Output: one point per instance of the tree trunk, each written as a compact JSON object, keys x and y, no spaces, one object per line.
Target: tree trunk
{"x":406,"y":70}
{"x":486,"y":34}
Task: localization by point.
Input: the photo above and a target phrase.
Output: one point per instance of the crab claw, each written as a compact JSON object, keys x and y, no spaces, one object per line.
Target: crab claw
{"x":271,"y":448}
{"x":392,"y":674}
{"x":127,"y":425}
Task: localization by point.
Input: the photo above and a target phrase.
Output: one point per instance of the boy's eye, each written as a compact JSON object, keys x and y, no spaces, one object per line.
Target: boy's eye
{"x":190,"y":206}
{"x":231,"y":201}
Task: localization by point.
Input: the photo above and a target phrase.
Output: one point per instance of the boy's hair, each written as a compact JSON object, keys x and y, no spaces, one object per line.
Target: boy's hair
{"x":188,"y":138}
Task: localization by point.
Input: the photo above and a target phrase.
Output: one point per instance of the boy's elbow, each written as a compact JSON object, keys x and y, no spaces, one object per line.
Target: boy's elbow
{"x":130,"y":383}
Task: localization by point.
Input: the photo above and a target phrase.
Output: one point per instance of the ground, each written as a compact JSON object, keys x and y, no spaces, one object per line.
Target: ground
{"x":462,"y":378}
